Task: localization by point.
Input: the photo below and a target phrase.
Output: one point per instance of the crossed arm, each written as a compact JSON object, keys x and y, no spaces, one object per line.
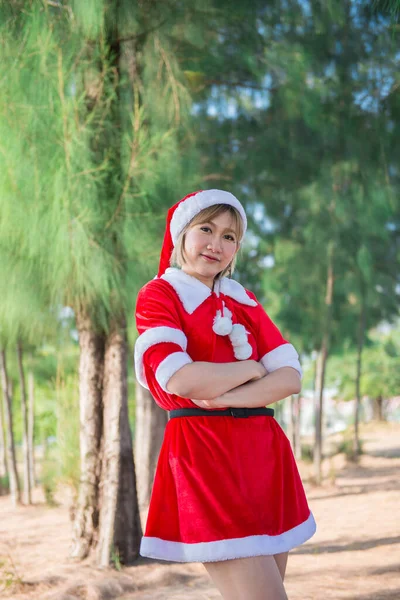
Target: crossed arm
{"x":237,"y":384}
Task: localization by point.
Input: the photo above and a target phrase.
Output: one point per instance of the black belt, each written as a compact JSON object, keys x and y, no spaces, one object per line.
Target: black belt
{"x":229,"y":412}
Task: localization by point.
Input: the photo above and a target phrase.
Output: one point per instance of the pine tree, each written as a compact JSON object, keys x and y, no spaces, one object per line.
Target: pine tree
{"x":92,"y":156}
{"x":308,"y":151}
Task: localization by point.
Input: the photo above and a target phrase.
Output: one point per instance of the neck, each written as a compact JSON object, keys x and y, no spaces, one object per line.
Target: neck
{"x":206,"y":280}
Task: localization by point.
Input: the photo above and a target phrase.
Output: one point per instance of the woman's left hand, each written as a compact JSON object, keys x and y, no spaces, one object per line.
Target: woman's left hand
{"x":210,"y":404}
{"x":222,"y":401}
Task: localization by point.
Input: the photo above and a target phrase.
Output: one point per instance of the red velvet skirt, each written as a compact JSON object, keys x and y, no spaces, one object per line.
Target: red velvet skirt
{"x":225,"y":488}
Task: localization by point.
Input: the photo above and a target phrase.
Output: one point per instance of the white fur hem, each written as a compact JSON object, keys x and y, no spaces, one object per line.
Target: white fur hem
{"x":282,"y":356}
{"x":255,"y":545}
{"x":155,"y":335}
{"x":169,"y":366}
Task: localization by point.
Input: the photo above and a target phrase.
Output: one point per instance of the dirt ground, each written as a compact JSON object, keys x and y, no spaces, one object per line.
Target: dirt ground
{"x":355,"y":553}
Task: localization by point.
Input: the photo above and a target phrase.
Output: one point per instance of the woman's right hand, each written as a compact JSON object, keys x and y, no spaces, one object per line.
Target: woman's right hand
{"x":259,"y":371}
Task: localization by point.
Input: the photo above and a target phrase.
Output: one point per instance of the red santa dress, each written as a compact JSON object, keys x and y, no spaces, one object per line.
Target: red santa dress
{"x":224,"y":487}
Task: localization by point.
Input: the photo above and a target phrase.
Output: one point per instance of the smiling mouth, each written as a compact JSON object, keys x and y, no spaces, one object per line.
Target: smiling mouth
{"x":210,"y":258}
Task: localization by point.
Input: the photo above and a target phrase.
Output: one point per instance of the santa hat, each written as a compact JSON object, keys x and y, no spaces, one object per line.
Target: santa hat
{"x":183,"y":212}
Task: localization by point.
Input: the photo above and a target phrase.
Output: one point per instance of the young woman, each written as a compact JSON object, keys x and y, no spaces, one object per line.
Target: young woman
{"x":226,"y":492}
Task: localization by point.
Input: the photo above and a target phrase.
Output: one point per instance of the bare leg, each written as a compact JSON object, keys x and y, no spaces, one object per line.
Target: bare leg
{"x":281,"y":561}
{"x":255,"y":578}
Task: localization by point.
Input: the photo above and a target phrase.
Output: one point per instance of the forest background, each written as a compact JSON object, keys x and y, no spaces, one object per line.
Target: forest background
{"x":111,"y":111}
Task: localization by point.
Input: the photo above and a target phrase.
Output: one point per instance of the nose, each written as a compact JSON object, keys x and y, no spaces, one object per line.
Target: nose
{"x":215,"y":244}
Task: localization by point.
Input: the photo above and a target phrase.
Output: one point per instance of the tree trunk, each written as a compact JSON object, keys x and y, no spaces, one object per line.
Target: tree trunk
{"x":120,"y":530}
{"x":10,"y":387}
{"x":378,"y":409}
{"x":318,"y":412}
{"x":25,"y":443}
{"x":11,"y":459}
{"x":91,"y":366}
{"x":291,"y":424}
{"x":321,"y":367}
{"x":31,"y":427}
{"x":150,"y":425}
{"x":297,"y":425}
{"x":297,"y":428}
{"x":3,"y":463}
{"x":360,"y":345}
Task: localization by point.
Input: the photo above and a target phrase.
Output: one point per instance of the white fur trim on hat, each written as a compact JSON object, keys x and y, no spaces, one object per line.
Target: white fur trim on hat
{"x":190,"y":207}
{"x":169,"y":366}
{"x":282,"y":356}
{"x":155,"y":335}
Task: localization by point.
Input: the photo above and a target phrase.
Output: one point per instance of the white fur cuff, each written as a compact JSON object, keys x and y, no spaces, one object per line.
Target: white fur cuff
{"x":282,"y":356}
{"x":169,"y":366}
{"x":155,"y":335}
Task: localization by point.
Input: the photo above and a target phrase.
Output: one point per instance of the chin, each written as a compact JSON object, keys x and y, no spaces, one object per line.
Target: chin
{"x":210,"y":272}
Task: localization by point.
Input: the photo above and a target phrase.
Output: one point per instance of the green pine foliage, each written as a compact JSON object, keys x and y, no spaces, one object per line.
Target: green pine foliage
{"x":96,"y":142}
{"x":86,"y":187}
{"x":381,"y":373}
{"x":111,"y":112}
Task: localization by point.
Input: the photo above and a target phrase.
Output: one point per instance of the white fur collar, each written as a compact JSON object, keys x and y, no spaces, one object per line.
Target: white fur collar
{"x":192,"y":293}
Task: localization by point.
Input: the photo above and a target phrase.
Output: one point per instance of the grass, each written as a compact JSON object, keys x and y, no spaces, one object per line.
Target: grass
{"x":9,"y":577}
{"x":50,"y":476}
{"x":4,"y":485}
{"x":115,"y":559}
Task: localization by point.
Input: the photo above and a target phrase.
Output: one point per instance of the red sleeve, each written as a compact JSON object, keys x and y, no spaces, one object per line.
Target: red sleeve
{"x":161,"y":345}
{"x":274,"y":351}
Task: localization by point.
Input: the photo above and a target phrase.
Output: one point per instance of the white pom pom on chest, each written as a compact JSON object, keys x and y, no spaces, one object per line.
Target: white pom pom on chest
{"x":243,"y":352}
{"x":241,"y":347}
{"x":238,"y":335}
{"x":222,"y":325}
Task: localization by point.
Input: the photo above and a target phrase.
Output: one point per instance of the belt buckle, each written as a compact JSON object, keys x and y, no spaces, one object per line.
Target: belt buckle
{"x":241,"y":413}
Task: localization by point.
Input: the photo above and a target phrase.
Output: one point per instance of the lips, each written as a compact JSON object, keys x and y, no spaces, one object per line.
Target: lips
{"x":211,"y":258}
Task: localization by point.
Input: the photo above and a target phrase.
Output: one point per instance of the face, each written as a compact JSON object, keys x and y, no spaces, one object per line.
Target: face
{"x":209,"y":248}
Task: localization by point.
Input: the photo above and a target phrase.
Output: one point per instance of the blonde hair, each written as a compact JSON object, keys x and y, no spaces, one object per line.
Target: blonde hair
{"x":205,"y":216}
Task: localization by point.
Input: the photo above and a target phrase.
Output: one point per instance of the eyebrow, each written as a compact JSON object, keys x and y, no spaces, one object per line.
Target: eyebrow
{"x":226,"y":228}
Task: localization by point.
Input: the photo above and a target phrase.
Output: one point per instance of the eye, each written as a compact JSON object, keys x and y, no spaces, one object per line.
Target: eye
{"x":230,"y":237}
{"x":205,"y":228}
